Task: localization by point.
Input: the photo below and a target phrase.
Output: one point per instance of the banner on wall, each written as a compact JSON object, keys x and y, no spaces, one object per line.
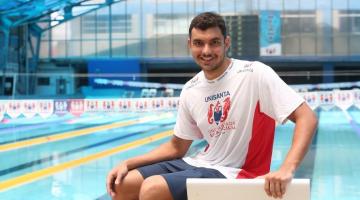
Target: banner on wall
{"x":2,"y":109}
{"x":270,"y":33}
{"x":124,"y":105}
{"x":76,"y":107}
{"x":326,"y":100}
{"x":311,"y":99}
{"x":92,"y":105}
{"x":61,"y":107}
{"x":357,"y":98}
{"x":14,"y":108}
{"x":30,"y":108}
{"x":46,"y":108}
{"x":344,"y":99}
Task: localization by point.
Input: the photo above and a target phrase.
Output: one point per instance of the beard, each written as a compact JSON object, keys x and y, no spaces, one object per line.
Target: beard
{"x":210,"y":63}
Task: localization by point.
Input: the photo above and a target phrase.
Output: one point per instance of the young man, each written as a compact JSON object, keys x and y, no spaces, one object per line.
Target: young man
{"x":233,"y":105}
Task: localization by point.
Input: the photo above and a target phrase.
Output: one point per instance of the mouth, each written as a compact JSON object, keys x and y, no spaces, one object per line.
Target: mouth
{"x":206,"y":59}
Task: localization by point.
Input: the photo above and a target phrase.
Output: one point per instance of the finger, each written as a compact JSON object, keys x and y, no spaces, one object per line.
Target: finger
{"x":110,"y":185}
{"x":108,"y":181}
{"x":272,"y":188}
{"x":277,"y":191}
{"x":267,"y":187}
{"x":119,"y":178}
{"x":283,"y":188}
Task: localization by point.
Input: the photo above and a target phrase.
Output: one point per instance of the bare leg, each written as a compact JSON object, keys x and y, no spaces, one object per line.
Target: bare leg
{"x":129,"y":188}
{"x":155,"y":188}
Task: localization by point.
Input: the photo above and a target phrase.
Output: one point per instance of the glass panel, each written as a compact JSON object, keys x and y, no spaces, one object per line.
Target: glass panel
{"x":291,"y":33}
{"x":73,"y":48}
{"x":149,"y":10}
{"x":102,"y":23}
{"x":45,"y":35}
{"x":180,"y":46}
{"x":58,"y":48}
{"x":245,"y":6}
{"x":88,"y":23}
{"x":263,"y":4}
{"x":308,"y":42}
{"x":59,"y":32}
{"x":135,"y":21}
{"x":212,"y":5}
{"x":102,"y":48}
{"x":354,"y":4}
{"x":291,"y":27}
{"x":307,"y":4}
{"x":88,"y":48}
{"x":227,"y":7}
{"x":308,"y":22}
{"x":119,"y":48}
{"x":164,"y":47}
{"x":191,"y":9}
{"x":291,"y":5}
{"x":354,"y":44}
{"x":44,"y":49}
{"x":164,"y":28}
{"x":325,"y":29}
{"x":274,"y":5}
{"x":340,"y":4}
{"x":341,"y":21}
{"x":341,"y":44}
{"x":291,"y":24}
{"x":121,"y":22}
{"x":133,"y":48}
{"x":180,"y":29}
{"x":74,"y":27}
{"x":199,"y":6}
{"x":291,"y":44}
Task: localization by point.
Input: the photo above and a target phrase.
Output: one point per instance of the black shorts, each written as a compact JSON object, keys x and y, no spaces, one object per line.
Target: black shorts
{"x":176,"y":172}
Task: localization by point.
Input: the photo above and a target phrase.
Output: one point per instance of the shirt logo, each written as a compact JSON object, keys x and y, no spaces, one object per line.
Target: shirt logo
{"x":219,"y":112}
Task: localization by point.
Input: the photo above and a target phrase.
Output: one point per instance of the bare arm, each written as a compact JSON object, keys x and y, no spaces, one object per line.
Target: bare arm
{"x":174,"y":148}
{"x":305,"y":124}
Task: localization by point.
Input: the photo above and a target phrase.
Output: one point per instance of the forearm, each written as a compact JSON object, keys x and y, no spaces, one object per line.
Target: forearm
{"x":167,"y":151}
{"x":305,"y":126}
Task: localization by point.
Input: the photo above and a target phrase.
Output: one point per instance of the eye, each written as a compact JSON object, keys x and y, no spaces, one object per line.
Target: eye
{"x":198,"y":43}
{"x":216,"y":43}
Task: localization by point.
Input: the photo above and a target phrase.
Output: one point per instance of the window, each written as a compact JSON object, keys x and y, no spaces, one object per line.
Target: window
{"x":43,"y":81}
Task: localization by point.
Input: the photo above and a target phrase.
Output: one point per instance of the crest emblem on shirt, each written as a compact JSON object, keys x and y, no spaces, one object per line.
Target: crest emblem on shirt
{"x":219,"y":111}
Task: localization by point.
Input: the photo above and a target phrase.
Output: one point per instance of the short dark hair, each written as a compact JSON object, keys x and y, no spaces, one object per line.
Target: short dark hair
{"x":207,"y":20}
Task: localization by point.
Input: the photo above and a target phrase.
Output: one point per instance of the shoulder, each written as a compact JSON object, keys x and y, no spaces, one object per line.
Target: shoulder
{"x":249,"y":67}
{"x":195,"y":81}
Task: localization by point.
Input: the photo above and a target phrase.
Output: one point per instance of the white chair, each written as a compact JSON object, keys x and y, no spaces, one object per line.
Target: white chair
{"x":242,"y":189}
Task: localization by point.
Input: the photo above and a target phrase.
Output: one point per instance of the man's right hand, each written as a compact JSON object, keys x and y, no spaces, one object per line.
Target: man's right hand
{"x":115,"y":176}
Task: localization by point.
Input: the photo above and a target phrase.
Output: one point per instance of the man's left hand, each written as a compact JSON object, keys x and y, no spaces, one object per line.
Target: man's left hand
{"x":276,"y":182}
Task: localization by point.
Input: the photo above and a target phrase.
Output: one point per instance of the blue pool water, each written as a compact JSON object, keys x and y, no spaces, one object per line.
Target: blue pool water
{"x":332,"y":164}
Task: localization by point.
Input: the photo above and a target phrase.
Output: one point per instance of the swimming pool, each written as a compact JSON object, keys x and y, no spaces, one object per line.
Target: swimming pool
{"x":66,"y":157}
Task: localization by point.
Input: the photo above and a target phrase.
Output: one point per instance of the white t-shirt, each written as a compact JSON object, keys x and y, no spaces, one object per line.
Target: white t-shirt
{"x":236,"y":115}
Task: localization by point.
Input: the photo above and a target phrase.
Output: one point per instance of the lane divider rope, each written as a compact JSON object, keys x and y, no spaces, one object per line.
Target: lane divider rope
{"x":76,"y":133}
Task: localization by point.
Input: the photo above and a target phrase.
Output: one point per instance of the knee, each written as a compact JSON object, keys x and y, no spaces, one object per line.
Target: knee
{"x":123,"y":192}
{"x":154,"y":187}
{"x":129,"y":188}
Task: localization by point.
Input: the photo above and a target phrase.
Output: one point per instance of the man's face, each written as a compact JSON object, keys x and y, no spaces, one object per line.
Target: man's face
{"x":208,"y":49}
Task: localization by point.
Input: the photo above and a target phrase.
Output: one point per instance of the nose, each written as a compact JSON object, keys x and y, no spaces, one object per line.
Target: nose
{"x":206,"y":50}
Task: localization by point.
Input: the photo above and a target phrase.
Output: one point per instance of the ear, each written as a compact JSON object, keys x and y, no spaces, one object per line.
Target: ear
{"x":227,"y":42}
{"x":189,"y":43}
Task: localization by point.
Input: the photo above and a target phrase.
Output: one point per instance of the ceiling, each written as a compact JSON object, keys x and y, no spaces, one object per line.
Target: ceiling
{"x":50,"y":12}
